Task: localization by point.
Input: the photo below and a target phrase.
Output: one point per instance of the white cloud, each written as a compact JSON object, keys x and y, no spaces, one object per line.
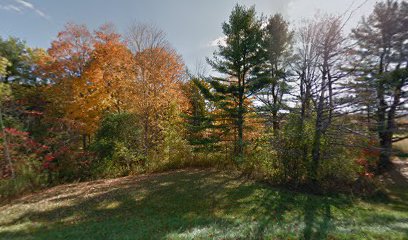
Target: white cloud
{"x":26,"y":4}
{"x":218,"y":41}
{"x":20,"y":5}
{"x":42,"y":14}
{"x":10,"y":7}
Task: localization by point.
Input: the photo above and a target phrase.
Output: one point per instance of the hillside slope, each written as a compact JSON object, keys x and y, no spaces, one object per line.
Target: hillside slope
{"x":196,"y":204}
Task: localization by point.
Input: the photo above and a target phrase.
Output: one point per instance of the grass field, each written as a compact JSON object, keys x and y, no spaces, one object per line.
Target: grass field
{"x":197,"y":204}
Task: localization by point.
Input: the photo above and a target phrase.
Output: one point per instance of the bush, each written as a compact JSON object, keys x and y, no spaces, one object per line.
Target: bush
{"x":173,"y":151}
{"x":337,"y":165}
{"x":261,"y":161}
{"x":29,"y":168}
{"x":117,"y":146}
{"x":27,"y":179}
{"x":293,"y":149}
{"x":288,"y":159}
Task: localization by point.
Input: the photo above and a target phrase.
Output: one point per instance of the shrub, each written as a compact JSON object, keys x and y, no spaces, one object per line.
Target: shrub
{"x":117,"y":146}
{"x":27,"y":179}
{"x":293,"y":148}
{"x":173,"y":151}
{"x":29,"y":163}
{"x":261,"y":160}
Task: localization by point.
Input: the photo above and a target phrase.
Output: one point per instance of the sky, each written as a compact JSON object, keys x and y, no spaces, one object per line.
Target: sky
{"x":192,"y":26}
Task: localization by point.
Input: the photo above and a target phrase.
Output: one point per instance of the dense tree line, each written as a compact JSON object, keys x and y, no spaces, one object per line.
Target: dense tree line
{"x":310,"y":105}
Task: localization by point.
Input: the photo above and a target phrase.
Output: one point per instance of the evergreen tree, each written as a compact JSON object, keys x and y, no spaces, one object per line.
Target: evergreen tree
{"x":200,"y":121}
{"x":240,"y":62}
{"x":382,"y":67}
{"x":277,"y":44}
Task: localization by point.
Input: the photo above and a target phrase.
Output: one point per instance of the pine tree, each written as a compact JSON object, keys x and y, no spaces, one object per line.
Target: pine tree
{"x":240,"y":63}
{"x":381,"y":54}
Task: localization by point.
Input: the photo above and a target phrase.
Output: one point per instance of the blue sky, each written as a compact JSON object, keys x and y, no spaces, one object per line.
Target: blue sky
{"x":191,"y":25}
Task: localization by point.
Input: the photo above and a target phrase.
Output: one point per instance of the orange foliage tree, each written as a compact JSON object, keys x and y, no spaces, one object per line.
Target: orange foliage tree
{"x":160,"y":73}
{"x":63,"y":66}
{"x":90,"y":74}
{"x":107,"y":81}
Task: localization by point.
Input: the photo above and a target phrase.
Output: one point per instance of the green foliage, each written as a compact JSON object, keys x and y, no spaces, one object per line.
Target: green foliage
{"x":200,"y":120}
{"x":240,"y":61}
{"x":293,"y":146}
{"x":117,"y":146}
{"x":28,"y":178}
{"x":174,"y":151}
{"x":277,"y":45}
{"x":261,"y":160}
{"x":20,"y":58}
{"x":123,"y":161}
{"x":338,"y":169}
{"x":5,"y":92}
{"x":381,"y":80}
{"x":213,"y":122}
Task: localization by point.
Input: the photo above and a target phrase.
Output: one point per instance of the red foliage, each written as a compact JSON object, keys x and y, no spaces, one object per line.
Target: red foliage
{"x":48,"y":158}
{"x":15,"y":132}
{"x":368,"y":159}
{"x":25,"y":151}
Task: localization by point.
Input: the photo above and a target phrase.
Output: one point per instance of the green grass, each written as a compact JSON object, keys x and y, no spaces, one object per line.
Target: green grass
{"x":197,"y":204}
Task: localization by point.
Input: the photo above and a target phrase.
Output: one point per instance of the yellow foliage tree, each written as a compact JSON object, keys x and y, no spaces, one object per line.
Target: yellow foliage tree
{"x":107,"y":83}
{"x":159,"y":76}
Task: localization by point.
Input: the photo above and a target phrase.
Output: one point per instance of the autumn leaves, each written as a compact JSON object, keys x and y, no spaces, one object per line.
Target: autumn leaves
{"x":96,"y":73}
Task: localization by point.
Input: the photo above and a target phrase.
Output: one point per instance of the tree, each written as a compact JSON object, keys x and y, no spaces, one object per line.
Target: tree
{"x":330,"y":48}
{"x":159,"y":82}
{"x":318,"y":57}
{"x":106,"y":83}
{"x":305,"y":68}
{"x":277,"y":44}
{"x":21,"y":60}
{"x":382,"y":68}
{"x":159,"y":75}
{"x":63,"y":66}
{"x":200,"y":120}
{"x":91,"y":75}
{"x":141,"y":37}
{"x":240,"y":60}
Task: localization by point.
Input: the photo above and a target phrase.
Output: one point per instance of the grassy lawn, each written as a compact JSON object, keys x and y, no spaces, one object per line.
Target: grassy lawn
{"x":198,"y":204}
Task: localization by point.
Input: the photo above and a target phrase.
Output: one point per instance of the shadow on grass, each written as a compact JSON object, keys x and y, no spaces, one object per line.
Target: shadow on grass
{"x":150,"y":209}
{"x":394,"y":194}
{"x":180,"y":205}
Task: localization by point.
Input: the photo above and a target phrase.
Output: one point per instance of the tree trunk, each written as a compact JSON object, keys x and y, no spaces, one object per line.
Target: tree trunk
{"x":318,"y":131}
{"x":387,"y":128}
{"x":275,"y":107}
{"x":305,"y":98}
{"x":84,"y":145}
{"x":385,"y":155}
{"x":384,"y":159}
